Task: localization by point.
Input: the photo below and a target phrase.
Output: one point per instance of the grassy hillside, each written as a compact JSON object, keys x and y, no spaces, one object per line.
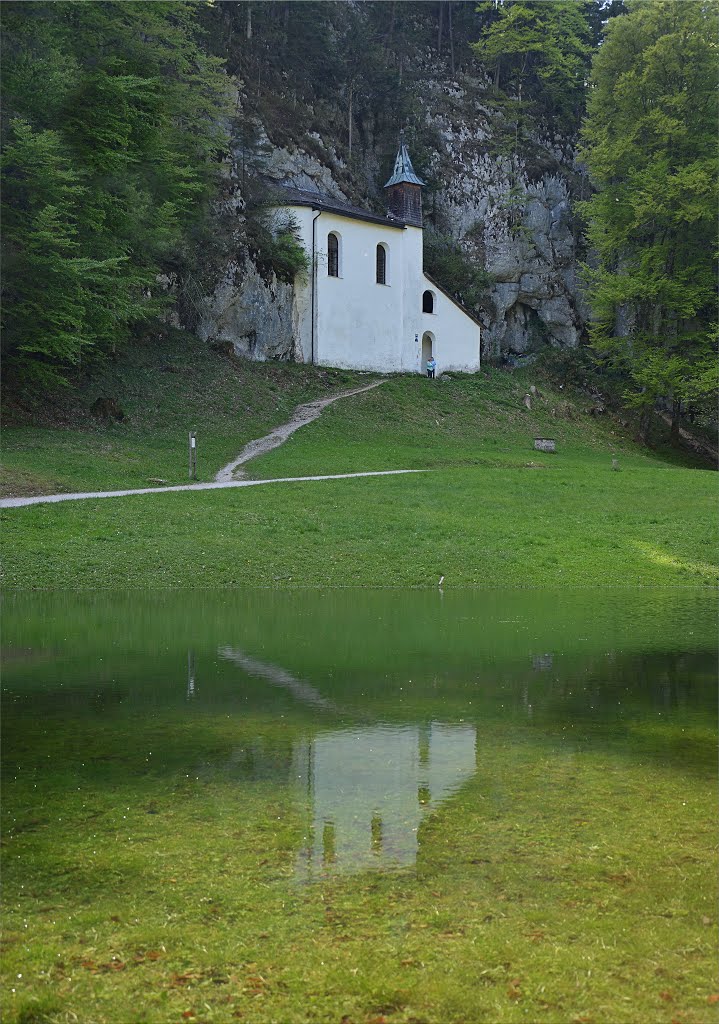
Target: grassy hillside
{"x":488,"y":511}
{"x":165,"y":390}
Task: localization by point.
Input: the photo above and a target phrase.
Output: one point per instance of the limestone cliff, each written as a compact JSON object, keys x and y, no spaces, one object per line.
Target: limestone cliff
{"x":507,"y":201}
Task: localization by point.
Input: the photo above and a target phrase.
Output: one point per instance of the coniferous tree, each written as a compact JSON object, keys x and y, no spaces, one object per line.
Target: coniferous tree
{"x":113,"y":115}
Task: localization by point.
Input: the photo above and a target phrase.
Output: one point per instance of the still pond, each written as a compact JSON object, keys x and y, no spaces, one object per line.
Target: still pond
{"x":358,"y":806}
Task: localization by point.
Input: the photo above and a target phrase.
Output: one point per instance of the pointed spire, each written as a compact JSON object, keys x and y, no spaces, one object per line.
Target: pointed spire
{"x":403,"y":170}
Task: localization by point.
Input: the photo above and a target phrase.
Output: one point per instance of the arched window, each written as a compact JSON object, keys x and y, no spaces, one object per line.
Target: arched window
{"x":427,"y":302}
{"x":333,"y":255}
{"x":381,"y":265}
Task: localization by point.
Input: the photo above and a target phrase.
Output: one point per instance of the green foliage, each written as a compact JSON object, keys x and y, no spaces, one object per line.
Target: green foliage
{"x":112,"y":118}
{"x":575,"y":367}
{"x":445,"y":261}
{"x":650,"y":144}
{"x":50,"y":288}
{"x":539,"y":52}
{"x":277,"y":247}
{"x":288,"y":254}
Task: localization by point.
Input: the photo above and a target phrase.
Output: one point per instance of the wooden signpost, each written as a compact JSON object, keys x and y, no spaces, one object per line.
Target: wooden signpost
{"x":193,"y":455}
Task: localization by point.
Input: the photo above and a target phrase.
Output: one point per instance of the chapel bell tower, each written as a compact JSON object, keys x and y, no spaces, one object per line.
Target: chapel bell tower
{"x":404,"y":189}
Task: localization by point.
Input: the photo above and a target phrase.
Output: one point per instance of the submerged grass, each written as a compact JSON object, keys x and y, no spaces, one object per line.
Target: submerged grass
{"x":564,"y":882}
{"x":162,"y":858}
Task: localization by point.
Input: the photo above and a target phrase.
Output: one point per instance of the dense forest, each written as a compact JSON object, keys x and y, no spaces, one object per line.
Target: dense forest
{"x":136,"y":140}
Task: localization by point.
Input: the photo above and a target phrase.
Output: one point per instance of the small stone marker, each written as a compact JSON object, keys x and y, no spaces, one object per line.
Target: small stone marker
{"x":528,"y":402}
{"x":545,"y":444}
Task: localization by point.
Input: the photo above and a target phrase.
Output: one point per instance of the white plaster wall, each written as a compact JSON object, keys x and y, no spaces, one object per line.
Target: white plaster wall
{"x":362,"y":325}
{"x":359,"y":322}
{"x":412,"y":312}
{"x":457,"y":336}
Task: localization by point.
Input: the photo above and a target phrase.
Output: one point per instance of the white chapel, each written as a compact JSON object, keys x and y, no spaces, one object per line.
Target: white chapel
{"x":366,"y":303}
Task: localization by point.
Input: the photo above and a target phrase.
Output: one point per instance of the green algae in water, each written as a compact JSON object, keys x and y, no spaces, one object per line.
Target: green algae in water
{"x":423,"y":807}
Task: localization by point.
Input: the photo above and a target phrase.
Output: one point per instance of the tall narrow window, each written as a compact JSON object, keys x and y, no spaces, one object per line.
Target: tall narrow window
{"x":381,"y":265}
{"x":333,"y":256}
{"x":428,"y":302}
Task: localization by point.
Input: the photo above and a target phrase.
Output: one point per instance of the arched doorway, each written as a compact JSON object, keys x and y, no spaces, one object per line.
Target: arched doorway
{"x":427,"y":348}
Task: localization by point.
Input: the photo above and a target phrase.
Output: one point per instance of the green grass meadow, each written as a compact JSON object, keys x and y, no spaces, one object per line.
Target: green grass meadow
{"x":578,"y":525}
{"x":164,"y":391}
{"x":488,"y":511}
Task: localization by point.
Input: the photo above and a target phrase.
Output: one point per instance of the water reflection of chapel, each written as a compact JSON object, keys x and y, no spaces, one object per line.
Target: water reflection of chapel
{"x":365,"y":788}
{"x":368,"y":790}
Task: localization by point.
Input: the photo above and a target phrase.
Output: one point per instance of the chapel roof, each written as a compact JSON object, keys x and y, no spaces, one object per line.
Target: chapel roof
{"x":287,"y":195}
{"x":453,"y":299}
{"x":403,"y":169}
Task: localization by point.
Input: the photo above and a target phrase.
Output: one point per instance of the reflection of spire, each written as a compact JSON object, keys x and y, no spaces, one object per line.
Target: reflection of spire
{"x":277,"y":677}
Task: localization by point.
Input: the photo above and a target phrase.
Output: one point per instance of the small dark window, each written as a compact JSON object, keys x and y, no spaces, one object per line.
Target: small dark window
{"x":333,"y":256}
{"x":428,"y":302}
{"x":381,"y":265}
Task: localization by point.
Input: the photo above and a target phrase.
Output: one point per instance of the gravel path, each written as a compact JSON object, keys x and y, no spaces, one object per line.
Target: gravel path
{"x":216,"y":486}
{"x":302,"y":415}
{"x":227,"y":476}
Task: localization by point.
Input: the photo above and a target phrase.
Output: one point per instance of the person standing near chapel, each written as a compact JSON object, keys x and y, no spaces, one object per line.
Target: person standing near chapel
{"x":431,"y":367}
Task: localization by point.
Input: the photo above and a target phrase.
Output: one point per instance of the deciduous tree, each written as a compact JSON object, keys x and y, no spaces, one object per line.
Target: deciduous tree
{"x":650,"y":144}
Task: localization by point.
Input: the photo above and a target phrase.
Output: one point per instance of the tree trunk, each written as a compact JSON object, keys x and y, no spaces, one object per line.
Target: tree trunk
{"x":440,"y":23}
{"x":676,"y":415}
{"x":645,"y":418}
{"x":390,"y":33}
{"x":349,"y":132}
{"x":248,"y":28}
{"x":451,"y":37}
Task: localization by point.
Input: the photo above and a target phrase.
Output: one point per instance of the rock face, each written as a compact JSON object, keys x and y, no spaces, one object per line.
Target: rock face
{"x":528,"y":249}
{"x":511,"y":214}
{"x":255,"y":317}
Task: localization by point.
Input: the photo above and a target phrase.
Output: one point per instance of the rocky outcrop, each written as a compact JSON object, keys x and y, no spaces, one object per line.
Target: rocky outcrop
{"x":251,"y":315}
{"x":512,"y":215}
